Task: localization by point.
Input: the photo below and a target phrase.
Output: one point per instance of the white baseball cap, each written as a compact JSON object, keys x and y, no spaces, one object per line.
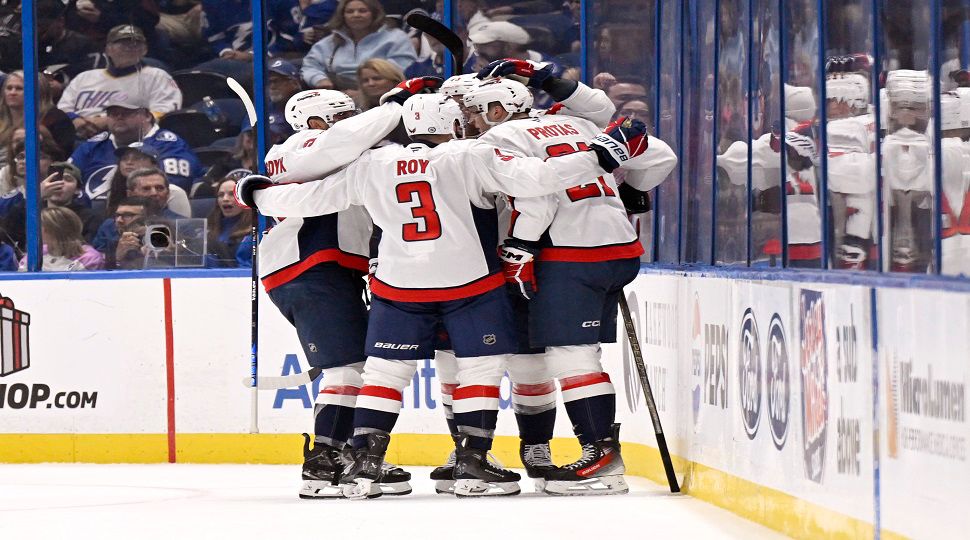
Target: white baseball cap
{"x":499,"y":31}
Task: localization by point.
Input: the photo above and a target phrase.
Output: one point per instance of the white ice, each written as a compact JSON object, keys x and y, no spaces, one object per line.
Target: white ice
{"x":260,"y":501}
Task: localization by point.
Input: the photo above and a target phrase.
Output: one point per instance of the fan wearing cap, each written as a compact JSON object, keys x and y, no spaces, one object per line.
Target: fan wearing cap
{"x":129,"y":121}
{"x":284,"y":82}
{"x":86,"y":97}
{"x":499,"y":39}
{"x":139,"y":155}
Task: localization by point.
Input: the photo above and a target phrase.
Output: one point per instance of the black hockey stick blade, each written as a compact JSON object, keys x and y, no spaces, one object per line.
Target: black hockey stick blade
{"x":442,"y":33}
{"x":631,"y":334}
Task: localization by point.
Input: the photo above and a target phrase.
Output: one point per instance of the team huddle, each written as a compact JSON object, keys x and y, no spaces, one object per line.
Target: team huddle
{"x":497,"y":241}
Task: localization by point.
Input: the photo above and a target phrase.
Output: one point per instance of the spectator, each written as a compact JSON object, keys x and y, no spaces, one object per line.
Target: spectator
{"x":150,"y":184}
{"x":59,"y":187}
{"x":57,"y":45}
{"x":284,"y":82}
{"x":129,"y":121}
{"x":54,"y":124}
{"x":136,"y":156}
{"x":358,"y":34}
{"x":86,"y":97}
{"x":500,"y":39}
{"x":181,"y":20}
{"x":284,"y":20}
{"x":12,"y":176}
{"x":229,"y":226}
{"x":376,"y":78}
{"x":470,"y":14}
{"x":124,"y":251}
{"x":622,"y":92}
{"x":64,"y":247}
{"x":98,"y":18}
{"x":316,"y":15}
{"x":637,"y":109}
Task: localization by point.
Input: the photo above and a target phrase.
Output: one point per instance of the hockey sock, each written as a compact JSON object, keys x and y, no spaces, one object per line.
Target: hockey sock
{"x":334,"y":410}
{"x":333,"y":424}
{"x":476,"y":413}
{"x":447,"y":390}
{"x":377,"y":410}
{"x":535,"y":411}
{"x":591,"y":405}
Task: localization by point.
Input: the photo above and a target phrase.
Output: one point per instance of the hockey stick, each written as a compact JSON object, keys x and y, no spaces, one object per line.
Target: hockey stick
{"x":287,"y":381}
{"x":631,"y":334}
{"x":442,"y":33}
{"x":254,"y":278}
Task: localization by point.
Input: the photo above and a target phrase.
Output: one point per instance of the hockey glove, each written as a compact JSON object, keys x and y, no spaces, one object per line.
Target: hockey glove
{"x":531,"y":74}
{"x":634,"y":200}
{"x":518,"y":257}
{"x":404,"y":90}
{"x":247,"y":187}
{"x":622,"y":140}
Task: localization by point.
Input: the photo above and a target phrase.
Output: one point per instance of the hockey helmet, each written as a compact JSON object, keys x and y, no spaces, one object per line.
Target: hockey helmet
{"x":459,"y":85}
{"x":512,"y":95}
{"x":432,"y":114}
{"x":322,"y":104}
{"x":850,"y":88}
{"x":908,"y":86}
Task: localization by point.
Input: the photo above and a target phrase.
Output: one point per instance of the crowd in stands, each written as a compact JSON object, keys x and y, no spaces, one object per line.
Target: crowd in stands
{"x":137,"y":126}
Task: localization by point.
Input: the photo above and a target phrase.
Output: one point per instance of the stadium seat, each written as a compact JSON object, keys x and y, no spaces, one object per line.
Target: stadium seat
{"x":232,"y":111}
{"x":210,"y":155}
{"x":192,"y":125}
{"x":196,"y":85}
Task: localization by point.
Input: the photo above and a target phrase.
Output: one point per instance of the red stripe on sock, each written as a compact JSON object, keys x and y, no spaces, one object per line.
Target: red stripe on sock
{"x":448,"y":389}
{"x":345,"y":390}
{"x":568,"y":383}
{"x":475,"y":391}
{"x":381,"y":392}
{"x":540,"y":389}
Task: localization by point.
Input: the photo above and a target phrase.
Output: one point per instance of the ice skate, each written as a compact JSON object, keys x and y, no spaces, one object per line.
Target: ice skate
{"x":322,"y":470}
{"x":393,"y":481}
{"x":475,"y":476}
{"x":598,"y":472}
{"x":363,"y":477}
{"x":537,"y":459}
{"x":444,"y":476}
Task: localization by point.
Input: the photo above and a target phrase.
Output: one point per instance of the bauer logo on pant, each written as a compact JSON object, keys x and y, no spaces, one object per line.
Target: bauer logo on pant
{"x":14,"y":338}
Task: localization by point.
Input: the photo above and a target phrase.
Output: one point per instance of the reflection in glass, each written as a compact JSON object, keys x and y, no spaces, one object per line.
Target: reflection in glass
{"x":668,"y":194}
{"x":955,"y":130}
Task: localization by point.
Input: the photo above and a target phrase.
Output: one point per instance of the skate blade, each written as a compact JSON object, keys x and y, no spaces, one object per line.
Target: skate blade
{"x":481,"y":488}
{"x":540,"y":484}
{"x":321,"y":489}
{"x":446,"y":487}
{"x":395,"y":489}
{"x":361,"y":489}
{"x":600,"y":485}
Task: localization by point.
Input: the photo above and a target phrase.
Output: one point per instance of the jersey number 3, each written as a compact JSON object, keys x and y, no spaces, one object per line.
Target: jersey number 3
{"x":584,"y":191}
{"x":424,"y":212}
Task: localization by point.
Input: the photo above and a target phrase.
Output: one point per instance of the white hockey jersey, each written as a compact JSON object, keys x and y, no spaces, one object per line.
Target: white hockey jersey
{"x":435,"y":209}
{"x":297,"y":244}
{"x":586,"y":222}
{"x":851,"y":161}
{"x":584,"y":102}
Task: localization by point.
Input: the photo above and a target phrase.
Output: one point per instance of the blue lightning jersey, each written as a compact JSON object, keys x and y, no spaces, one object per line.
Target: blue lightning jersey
{"x":97,"y":161}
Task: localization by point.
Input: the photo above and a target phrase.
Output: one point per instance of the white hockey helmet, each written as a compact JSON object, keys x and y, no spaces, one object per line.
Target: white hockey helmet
{"x":908,"y":86}
{"x":512,"y":95}
{"x":851,"y":88}
{"x":432,"y":114}
{"x":322,"y":104}
{"x":799,"y":103}
{"x":459,"y":85}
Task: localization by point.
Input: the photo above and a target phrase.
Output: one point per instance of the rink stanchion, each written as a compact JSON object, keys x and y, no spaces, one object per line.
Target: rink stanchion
{"x":658,"y":430}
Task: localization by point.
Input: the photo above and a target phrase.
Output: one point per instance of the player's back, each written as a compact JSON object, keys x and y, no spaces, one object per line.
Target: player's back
{"x":587,"y":215}
{"x":438,"y":234}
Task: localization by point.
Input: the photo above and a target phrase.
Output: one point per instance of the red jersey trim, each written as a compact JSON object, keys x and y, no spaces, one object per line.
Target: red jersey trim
{"x":804,"y":252}
{"x":592,"y":254}
{"x":479,"y":286}
{"x":287,"y":274}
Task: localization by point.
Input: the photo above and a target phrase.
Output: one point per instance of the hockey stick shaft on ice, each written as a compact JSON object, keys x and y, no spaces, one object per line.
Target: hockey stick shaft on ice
{"x":631,"y":334}
{"x":254,"y":278}
{"x":286,"y":381}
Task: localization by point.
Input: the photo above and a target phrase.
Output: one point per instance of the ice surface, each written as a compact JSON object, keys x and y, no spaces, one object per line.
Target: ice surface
{"x":260,"y":501}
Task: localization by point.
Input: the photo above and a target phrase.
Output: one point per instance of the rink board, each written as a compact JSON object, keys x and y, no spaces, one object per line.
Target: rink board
{"x":816,"y":409}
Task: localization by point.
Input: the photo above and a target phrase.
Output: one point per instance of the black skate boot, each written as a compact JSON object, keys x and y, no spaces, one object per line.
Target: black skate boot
{"x":476,"y":477}
{"x":598,"y":472}
{"x":364,"y":475}
{"x":444,"y":476}
{"x":393,"y":481}
{"x":322,"y":470}
{"x":537,"y":459}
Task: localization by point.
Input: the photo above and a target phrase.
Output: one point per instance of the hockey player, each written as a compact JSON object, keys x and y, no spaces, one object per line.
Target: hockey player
{"x":572,"y":351}
{"x":305,"y":260}
{"x":851,"y":162}
{"x":801,"y":196}
{"x":434,"y":202}
{"x":955,"y":198}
